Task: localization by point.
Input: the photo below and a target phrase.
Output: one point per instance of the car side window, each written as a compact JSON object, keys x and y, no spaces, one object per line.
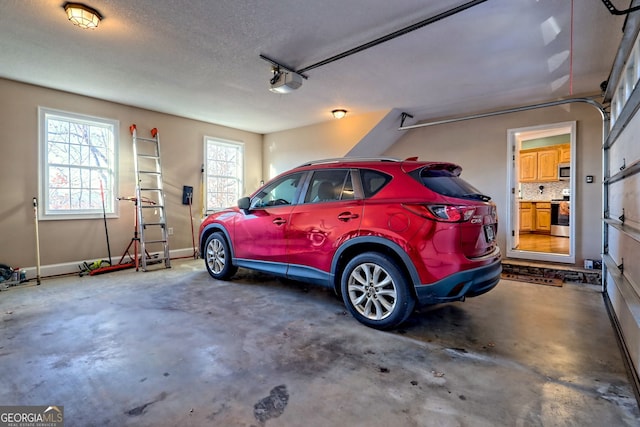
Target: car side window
{"x":373,"y":181}
{"x":329,"y":185}
{"x":280,"y":192}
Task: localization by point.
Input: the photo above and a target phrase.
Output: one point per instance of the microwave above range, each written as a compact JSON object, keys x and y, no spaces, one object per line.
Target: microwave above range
{"x":564,"y":171}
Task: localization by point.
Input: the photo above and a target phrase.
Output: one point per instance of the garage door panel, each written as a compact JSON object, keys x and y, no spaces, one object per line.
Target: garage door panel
{"x":626,"y":149}
{"x":621,"y":250}
{"x":626,"y":305}
{"x":624,"y":195}
{"x":616,"y":199}
{"x":615,"y":246}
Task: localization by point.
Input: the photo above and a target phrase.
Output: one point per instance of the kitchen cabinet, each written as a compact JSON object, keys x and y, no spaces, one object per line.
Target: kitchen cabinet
{"x":543,"y":217}
{"x":565,"y":153}
{"x":526,"y":216}
{"x":548,"y":165}
{"x":535,"y":217}
{"x":528,"y":166}
{"x":539,"y":165}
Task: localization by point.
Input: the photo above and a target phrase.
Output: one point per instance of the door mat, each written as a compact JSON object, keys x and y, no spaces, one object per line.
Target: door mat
{"x":549,"y":281}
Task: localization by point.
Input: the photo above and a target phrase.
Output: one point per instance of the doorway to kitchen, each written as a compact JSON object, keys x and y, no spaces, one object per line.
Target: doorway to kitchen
{"x":541,"y":189}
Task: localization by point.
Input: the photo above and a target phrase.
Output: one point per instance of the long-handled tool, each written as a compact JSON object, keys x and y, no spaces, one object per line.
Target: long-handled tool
{"x":35,"y":219}
{"x":203,"y":206}
{"x":132,"y":259}
{"x":104,"y":216}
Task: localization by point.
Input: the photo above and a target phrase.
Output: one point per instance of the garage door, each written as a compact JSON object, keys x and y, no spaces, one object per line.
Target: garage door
{"x":621,"y":195}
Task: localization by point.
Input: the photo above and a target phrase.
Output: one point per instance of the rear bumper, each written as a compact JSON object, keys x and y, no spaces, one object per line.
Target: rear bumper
{"x":457,"y":287}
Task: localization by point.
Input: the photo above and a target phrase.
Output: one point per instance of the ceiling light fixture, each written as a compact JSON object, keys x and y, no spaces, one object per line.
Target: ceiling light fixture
{"x":339,"y":113}
{"x":82,"y":16}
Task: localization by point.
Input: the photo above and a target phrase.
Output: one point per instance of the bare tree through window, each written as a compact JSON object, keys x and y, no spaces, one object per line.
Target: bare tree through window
{"x":78,"y":164}
{"x":224,"y":169}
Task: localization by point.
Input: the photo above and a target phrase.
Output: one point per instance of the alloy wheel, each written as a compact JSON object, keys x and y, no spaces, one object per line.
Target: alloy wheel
{"x":372,"y":291}
{"x":216,"y":256}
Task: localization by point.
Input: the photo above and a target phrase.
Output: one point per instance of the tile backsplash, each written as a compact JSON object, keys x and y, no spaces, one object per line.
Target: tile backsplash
{"x":552,"y":190}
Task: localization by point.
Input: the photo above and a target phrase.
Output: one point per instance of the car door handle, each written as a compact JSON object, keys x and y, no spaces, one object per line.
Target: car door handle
{"x":346,"y":216}
{"x":279,"y":221}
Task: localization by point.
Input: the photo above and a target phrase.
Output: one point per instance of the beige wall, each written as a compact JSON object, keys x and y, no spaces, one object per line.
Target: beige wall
{"x":480,"y":147}
{"x":69,"y":241}
{"x":287,"y":149}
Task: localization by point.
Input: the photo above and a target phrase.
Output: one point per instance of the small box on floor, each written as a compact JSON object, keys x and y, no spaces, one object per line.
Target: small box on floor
{"x":592,"y":264}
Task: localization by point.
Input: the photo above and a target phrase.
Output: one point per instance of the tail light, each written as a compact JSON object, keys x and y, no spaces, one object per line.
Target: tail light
{"x":443,"y":213}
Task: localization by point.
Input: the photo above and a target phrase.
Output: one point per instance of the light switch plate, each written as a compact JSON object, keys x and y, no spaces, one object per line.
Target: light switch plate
{"x":589,"y":179}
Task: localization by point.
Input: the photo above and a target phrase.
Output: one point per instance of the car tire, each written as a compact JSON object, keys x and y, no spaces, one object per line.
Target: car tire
{"x":217,"y":257}
{"x":376,"y":292}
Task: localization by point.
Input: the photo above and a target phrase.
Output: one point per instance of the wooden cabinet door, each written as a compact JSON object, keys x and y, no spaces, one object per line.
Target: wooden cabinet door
{"x":565,"y":153}
{"x":543,"y":217}
{"x":548,"y":165}
{"x":526,"y":217}
{"x":528,"y":166}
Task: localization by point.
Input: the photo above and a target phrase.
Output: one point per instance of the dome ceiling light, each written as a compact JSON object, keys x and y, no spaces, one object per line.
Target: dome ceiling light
{"x":339,"y":113}
{"x":82,"y":16}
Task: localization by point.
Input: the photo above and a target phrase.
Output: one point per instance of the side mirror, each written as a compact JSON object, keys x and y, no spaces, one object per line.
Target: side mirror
{"x":244,"y":203}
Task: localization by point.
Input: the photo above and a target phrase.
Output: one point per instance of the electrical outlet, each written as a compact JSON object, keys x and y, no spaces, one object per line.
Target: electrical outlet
{"x":170,"y":230}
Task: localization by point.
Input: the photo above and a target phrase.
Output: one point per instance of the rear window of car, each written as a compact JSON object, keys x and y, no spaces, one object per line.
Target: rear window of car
{"x":447,"y":183}
{"x":373,"y":181}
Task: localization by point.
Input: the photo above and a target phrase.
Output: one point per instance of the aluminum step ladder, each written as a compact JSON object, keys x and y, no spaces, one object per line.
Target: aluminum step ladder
{"x":151,"y":208}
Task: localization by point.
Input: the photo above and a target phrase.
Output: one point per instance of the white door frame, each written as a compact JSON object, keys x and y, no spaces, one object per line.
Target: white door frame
{"x":513,"y":148}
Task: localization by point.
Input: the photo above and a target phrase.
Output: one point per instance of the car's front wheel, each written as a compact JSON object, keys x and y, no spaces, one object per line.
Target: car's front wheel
{"x":376,"y":292}
{"x":217,"y":257}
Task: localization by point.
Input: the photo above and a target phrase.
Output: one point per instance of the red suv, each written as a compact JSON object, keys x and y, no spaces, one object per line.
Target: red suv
{"x":385,"y":234}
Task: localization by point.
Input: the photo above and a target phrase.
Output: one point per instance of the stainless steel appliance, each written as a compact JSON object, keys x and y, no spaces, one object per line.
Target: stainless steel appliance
{"x":560,"y":214}
{"x":564,"y":171}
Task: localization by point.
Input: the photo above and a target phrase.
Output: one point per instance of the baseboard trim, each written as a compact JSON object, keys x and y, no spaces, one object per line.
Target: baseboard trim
{"x":51,"y":270}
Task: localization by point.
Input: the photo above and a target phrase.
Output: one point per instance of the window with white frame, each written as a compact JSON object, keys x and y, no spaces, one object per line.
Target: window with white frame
{"x":78,"y":165}
{"x":224,"y":173}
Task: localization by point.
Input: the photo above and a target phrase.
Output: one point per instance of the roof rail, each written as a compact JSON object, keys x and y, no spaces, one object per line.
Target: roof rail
{"x":350,"y":159}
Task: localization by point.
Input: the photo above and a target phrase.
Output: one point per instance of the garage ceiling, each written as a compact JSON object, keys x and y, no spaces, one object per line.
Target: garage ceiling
{"x":201,"y":59}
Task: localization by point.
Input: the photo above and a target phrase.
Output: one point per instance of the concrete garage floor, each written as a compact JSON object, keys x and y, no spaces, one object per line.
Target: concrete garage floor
{"x":177,"y":348}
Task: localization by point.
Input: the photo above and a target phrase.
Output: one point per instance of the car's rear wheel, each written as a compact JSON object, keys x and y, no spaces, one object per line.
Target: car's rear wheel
{"x":376,"y":292}
{"x":217,"y":257}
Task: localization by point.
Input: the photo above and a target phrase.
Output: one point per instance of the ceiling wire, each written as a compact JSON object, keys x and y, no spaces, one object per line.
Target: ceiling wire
{"x":571,"y":54}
